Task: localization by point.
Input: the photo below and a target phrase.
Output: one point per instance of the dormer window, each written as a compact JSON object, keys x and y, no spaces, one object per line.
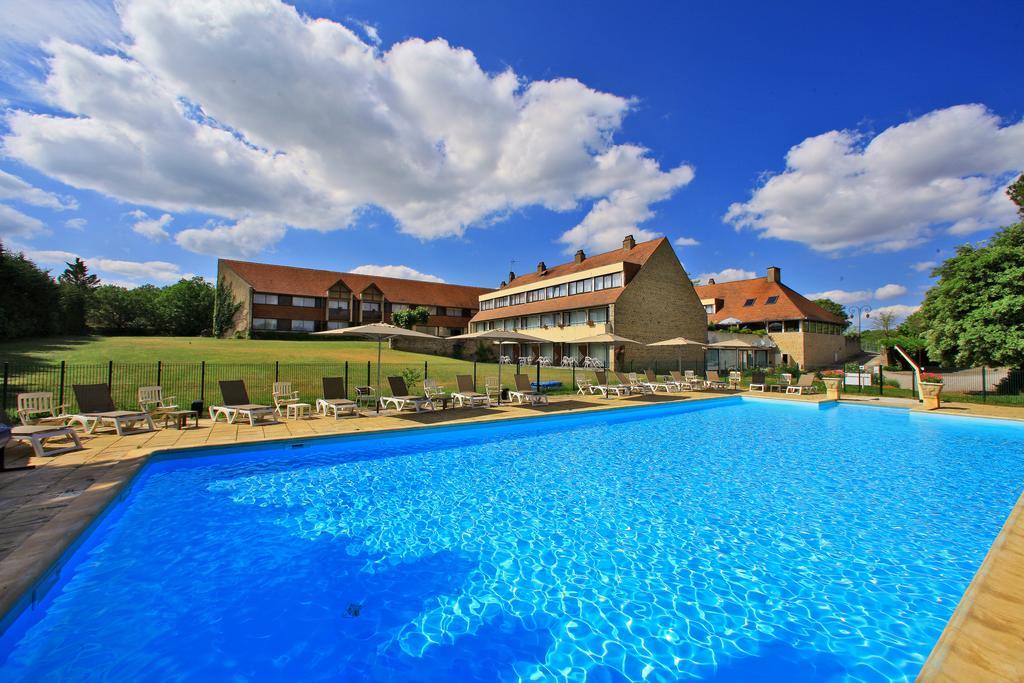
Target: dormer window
{"x":771,"y":300}
{"x":749,"y":302}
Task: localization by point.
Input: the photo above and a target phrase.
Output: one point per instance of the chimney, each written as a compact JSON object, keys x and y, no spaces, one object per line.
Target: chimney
{"x":541,"y":267}
{"x":628,"y":243}
{"x":511,"y":275}
{"x":774,"y":274}
{"x":502,"y":285}
{"x":711,"y":280}
{"x":580,"y":256}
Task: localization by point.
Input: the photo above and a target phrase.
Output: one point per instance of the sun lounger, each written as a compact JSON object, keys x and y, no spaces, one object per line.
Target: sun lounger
{"x":654,"y":384}
{"x":95,"y":402}
{"x":334,"y":401}
{"x":757,"y":382}
{"x":401,"y":398}
{"x":605,"y":389}
{"x":636,"y":388}
{"x":678,"y":378}
{"x":524,"y":392}
{"x":467,"y":393}
{"x":236,"y":403}
{"x":804,"y":385}
{"x":36,"y":435}
{"x":714,"y":381}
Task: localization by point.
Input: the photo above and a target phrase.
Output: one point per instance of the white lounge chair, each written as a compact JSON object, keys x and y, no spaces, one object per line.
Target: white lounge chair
{"x":757,"y":382}
{"x":652,"y":381}
{"x":334,"y":401}
{"x":38,"y":408}
{"x":401,"y":398}
{"x":525,"y":393}
{"x":637,"y":387}
{"x":36,"y":435}
{"x":605,"y":389}
{"x":804,"y":385}
{"x":467,"y":393}
{"x":236,"y":403}
{"x":95,"y":402}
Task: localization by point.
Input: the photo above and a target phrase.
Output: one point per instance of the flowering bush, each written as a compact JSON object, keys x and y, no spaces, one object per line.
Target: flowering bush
{"x":832,"y":373}
{"x":933,"y":377}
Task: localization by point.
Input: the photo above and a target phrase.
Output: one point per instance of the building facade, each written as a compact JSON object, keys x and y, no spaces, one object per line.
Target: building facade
{"x":804,"y":333}
{"x":286,"y":299}
{"x":640,"y":292}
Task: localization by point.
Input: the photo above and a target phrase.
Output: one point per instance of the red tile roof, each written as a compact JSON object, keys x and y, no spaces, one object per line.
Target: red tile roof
{"x":791,"y":305}
{"x":273,"y":279}
{"x":562,"y":303}
{"x":637,"y":255}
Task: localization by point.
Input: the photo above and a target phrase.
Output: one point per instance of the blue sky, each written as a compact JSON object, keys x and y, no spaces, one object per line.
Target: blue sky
{"x":851,"y":146}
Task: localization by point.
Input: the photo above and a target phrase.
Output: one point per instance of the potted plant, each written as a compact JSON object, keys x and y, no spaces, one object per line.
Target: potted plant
{"x":833,"y":380}
{"x":931,"y":390}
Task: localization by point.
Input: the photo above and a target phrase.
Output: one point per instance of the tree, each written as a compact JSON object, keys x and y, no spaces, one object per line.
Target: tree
{"x":1016,"y":194}
{"x":186,"y":307}
{"x":29,"y":303}
{"x":119,"y":310}
{"x":410,"y":318}
{"x":975,"y":313}
{"x":76,"y":288}
{"x":835,"y":308}
{"x":225,"y":308}
{"x":885,"y":321}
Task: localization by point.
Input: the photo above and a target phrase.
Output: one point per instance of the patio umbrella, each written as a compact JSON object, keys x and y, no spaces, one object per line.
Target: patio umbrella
{"x":679,"y":342}
{"x":605,"y":338}
{"x":500,"y":337}
{"x":380,"y":332}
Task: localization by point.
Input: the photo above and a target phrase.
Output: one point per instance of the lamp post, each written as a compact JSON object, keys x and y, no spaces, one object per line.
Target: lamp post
{"x":861,"y":311}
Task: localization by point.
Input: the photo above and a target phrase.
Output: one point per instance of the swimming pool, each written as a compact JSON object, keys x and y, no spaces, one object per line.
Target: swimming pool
{"x":729,"y":540}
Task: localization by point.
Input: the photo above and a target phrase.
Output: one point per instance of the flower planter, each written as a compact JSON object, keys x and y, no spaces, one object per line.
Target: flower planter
{"x":931,"y":394}
{"x":833,"y":387}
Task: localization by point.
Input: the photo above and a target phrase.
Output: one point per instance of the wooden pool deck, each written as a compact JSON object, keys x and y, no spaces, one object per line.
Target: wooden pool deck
{"x":42,"y":512}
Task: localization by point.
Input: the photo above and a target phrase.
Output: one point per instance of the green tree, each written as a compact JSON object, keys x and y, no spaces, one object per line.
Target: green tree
{"x":77,"y":274}
{"x":119,"y":310}
{"x":1016,"y":194}
{"x":29,"y":302}
{"x":225,"y":308}
{"x":186,"y":308}
{"x":410,"y":318}
{"x":76,"y":288}
{"x":885,"y":322}
{"x":975,"y":313}
{"x":835,"y":308}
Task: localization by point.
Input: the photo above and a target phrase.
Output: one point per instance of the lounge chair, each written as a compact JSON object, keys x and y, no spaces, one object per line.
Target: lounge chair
{"x":604,"y":388}
{"x":584,"y":386}
{"x":756,"y":382}
{"x":236,"y":402}
{"x":714,"y":381}
{"x":467,"y":393}
{"x":694,"y":380}
{"x":401,"y":398}
{"x":95,"y":402}
{"x":654,"y":384}
{"x":637,"y":387}
{"x":283,"y":397}
{"x":804,"y":385}
{"x":334,"y":400}
{"x":38,"y":408}
{"x":525,"y":393}
{"x":36,"y":435}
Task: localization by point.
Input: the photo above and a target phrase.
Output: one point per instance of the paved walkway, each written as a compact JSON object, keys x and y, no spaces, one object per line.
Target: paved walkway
{"x":43,"y":510}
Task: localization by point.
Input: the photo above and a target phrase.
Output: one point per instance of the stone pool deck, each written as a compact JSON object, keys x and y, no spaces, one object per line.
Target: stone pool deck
{"x":42,"y":511}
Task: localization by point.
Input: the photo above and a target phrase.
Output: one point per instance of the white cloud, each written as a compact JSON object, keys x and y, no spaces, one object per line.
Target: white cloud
{"x":247,"y":237}
{"x":945,"y":170}
{"x":153,"y":228}
{"x":76,"y":223}
{"x":924,"y":266}
{"x":685,"y":242}
{"x":14,"y":223}
{"x":727,"y":275}
{"x":13,"y":188}
{"x":253,"y":112}
{"x":127,"y":273}
{"x":901,"y":311}
{"x":404,"y":272}
{"x":890,"y":291}
{"x":842,"y":296}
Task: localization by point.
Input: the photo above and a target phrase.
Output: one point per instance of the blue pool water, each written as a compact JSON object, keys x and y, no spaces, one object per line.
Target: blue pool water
{"x":748,"y":540}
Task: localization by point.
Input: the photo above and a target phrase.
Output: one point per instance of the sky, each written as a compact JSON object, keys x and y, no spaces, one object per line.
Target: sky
{"x":852,"y":146}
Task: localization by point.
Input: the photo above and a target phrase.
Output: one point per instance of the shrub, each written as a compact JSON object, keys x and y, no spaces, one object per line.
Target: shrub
{"x":933,"y":377}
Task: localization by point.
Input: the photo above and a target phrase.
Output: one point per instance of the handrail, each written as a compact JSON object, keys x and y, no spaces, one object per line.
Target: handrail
{"x":917,"y":369}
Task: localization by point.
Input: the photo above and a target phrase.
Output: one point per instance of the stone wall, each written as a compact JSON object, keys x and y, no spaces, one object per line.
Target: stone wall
{"x":242,"y":293}
{"x":811,"y":350}
{"x":657,"y":304}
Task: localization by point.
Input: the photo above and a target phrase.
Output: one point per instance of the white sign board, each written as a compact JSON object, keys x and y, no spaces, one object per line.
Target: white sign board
{"x":858,"y":379}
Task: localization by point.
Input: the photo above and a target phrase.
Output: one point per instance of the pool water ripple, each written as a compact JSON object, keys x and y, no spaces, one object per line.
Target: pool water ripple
{"x":796,"y":543}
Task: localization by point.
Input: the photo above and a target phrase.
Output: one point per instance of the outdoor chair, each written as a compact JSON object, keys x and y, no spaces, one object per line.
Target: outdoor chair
{"x":637,"y":387}
{"x":714,"y":381}
{"x":401,"y":398}
{"x":525,"y":393}
{"x":804,"y":385}
{"x":756,"y":382}
{"x":605,"y":389}
{"x":654,"y":384}
{"x":678,"y":378}
{"x":36,"y":435}
{"x":283,"y":396}
{"x":584,"y":386}
{"x":432,"y":388}
{"x":694,"y":380}
{"x":236,"y":403}
{"x":735,"y":379}
{"x":95,"y":402}
{"x":366,"y":396}
{"x":334,"y":401}
{"x":467,"y":393}
{"x":38,"y":408}
{"x":492,"y":388}
{"x":153,"y":401}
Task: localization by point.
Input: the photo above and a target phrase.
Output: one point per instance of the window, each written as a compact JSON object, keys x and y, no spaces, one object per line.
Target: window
{"x":709,"y":308}
{"x":454,"y":312}
{"x":547,"y":320}
{"x":770,"y":300}
{"x":303,"y":326}
{"x":598,"y":315}
{"x":577,"y":317}
{"x":304,"y":301}
{"x":775,"y":327}
{"x":264,"y":324}
{"x":533,"y":321}
{"x":749,"y":302}
{"x":335,"y":325}
{"x":338,"y":304}
{"x":535,"y":295}
{"x":371,"y":306}
{"x":398,"y":308}
{"x":264,"y":299}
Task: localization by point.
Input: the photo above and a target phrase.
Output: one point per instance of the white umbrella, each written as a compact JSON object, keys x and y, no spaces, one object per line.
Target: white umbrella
{"x":380,"y":332}
{"x":679,"y":342}
{"x":500,"y":337}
